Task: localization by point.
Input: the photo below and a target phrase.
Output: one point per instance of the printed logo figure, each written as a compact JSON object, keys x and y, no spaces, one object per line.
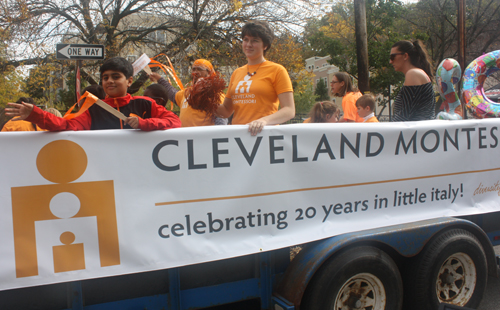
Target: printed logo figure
{"x":240,"y":88}
{"x":184,"y":104}
{"x":64,"y":226}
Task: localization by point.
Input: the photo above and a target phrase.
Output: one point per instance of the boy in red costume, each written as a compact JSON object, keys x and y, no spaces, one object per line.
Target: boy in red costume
{"x":116,"y":77}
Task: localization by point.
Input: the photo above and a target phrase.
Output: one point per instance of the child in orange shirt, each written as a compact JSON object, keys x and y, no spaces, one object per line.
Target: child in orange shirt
{"x":366,"y":107}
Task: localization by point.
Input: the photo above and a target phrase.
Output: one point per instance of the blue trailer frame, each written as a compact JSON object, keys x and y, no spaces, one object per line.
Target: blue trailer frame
{"x":268,"y":276}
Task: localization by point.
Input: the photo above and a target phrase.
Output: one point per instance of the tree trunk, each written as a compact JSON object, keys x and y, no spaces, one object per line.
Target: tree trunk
{"x":361,"y":45}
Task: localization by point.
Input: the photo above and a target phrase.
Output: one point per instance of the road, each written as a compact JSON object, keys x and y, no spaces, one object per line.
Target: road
{"x":491,"y":300}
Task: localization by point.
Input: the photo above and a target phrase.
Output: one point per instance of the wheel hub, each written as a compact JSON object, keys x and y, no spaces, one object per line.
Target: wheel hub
{"x":456,"y":279}
{"x":354,"y":301}
{"x":363,"y":291}
{"x":447,"y":277}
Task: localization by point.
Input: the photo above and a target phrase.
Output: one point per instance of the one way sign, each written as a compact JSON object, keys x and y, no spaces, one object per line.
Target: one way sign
{"x":80,"y":51}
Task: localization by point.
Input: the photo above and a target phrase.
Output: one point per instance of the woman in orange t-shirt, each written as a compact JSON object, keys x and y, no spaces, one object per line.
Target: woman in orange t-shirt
{"x":341,"y":86}
{"x":259,"y":88}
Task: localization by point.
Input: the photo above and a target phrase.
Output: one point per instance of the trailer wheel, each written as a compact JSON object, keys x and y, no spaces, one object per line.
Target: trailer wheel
{"x":451,"y":269}
{"x":362,"y":278}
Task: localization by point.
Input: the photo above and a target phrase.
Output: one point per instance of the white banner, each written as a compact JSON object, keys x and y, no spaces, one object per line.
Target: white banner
{"x":80,"y":205}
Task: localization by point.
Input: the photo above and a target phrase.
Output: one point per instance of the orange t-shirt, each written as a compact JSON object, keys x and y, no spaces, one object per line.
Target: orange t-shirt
{"x":20,"y":126}
{"x":349,"y":107}
{"x":257,"y":96}
{"x":191,"y":117}
{"x":307,"y":120}
{"x":372,"y":119}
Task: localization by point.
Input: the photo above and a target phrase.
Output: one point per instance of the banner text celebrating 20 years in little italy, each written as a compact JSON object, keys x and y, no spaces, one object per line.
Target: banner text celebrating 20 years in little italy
{"x":79,"y":205}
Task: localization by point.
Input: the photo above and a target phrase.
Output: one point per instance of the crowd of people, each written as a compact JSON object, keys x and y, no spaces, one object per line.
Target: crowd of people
{"x":259,"y":94}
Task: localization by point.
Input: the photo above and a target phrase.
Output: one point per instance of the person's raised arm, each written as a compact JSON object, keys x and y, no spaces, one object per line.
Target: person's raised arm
{"x":171,"y":91}
{"x":46,"y":120}
{"x":154,"y":77}
{"x":225,"y":109}
{"x":23,"y":110}
{"x":285,"y":113}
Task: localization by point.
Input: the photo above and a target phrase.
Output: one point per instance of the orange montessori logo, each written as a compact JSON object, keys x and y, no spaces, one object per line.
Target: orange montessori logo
{"x":64,"y":226}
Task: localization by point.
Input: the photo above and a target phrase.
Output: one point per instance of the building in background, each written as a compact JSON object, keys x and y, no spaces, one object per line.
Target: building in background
{"x":322,"y":70}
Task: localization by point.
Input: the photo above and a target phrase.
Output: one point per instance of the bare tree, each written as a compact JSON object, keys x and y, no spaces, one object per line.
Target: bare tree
{"x":437,"y":19}
{"x":165,"y":26}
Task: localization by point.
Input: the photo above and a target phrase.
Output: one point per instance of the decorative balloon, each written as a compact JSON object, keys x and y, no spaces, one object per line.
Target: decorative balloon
{"x":472,"y":85}
{"x":447,"y":76}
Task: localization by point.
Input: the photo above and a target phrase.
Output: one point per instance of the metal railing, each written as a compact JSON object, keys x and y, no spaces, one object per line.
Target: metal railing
{"x":300,"y":117}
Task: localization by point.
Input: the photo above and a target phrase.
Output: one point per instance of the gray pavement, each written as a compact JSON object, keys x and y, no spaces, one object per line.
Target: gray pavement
{"x":491,"y":300}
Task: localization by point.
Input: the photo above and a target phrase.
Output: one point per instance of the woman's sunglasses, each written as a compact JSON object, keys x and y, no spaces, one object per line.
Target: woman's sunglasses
{"x":393,"y":56}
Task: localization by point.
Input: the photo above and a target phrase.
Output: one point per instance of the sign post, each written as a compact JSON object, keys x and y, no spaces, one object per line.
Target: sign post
{"x":77,"y":80}
{"x":79,"y":52}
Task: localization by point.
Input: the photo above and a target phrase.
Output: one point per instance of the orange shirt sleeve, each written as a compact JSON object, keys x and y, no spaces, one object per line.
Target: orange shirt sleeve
{"x":349,"y":107}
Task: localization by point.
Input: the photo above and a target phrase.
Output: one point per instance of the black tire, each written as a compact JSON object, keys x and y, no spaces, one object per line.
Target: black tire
{"x":359,"y":278}
{"x":451,"y":269}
